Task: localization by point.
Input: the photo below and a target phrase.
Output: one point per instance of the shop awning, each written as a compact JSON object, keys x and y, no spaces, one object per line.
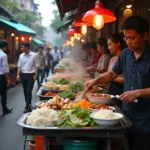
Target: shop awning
{"x":18,"y":26}
{"x":37,"y":41}
{"x":82,"y":6}
{"x":4,"y":12}
{"x":64,"y":26}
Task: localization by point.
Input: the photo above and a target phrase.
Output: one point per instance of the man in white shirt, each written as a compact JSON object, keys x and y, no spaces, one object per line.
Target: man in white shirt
{"x":4,"y":70}
{"x":28,"y":68}
{"x":56,"y":57}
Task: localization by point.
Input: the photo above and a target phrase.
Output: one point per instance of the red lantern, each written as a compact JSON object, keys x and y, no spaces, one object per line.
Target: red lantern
{"x":78,"y":22}
{"x":72,"y":31}
{"x":108,"y":16}
{"x":30,"y":38}
{"x":22,"y":39}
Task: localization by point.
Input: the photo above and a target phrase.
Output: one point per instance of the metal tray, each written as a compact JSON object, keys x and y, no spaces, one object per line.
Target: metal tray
{"x":124,"y":123}
{"x":38,"y":103}
{"x":47,"y":97}
{"x":55,"y":91}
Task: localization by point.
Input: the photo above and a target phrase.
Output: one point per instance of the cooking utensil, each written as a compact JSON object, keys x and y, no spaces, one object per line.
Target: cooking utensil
{"x":118,"y":97}
{"x":104,"y":99}
{"x":81,"y":95}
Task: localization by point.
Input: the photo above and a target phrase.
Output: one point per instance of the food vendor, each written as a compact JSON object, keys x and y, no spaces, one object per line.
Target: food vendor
{"x":115,"y":45}
{"x":104,"y":59}
{"x":134,"y":64}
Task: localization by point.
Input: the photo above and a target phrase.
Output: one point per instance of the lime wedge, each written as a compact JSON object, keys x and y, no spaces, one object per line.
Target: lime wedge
{"x":74,"y":119}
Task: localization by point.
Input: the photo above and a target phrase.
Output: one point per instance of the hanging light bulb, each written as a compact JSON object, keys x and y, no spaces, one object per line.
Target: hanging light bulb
{"x":75,"y":35}
{"x":67,"y":43}
{"x":98,"y":22}
{"x":30,"y":38}
{"x":78,"y":38}
{"x":79,"y":35}
{"x":84,"y":29}
{"x":82,"y":40}
{"x":72,"y":44}
{"x":72,"y":39}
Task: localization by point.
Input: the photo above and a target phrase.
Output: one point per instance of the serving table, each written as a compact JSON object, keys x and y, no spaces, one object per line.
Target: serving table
{"x":108,"y":132}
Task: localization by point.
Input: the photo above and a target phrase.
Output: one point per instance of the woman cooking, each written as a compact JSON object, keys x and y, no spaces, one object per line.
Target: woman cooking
{"x":115,"y":45}
{"x":104,"y":60}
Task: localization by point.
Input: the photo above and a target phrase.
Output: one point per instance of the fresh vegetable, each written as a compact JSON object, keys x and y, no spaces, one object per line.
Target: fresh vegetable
{"x":67,"y":94}
{"x":50,"y":94}
{"x":77,"y":117}
{"x":79,"y":86}
{"x":62,"y":81}
{"x":60,"y":66}
{"x":83,"y":103}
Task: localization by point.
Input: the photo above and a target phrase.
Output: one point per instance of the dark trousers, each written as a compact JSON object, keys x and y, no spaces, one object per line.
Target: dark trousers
{"x":3,"y":92}
{"x":41,"y":75}
{"x":138,"y":141}
{"x":54,"y":64}
{"x":47,"y":69}
{"x":28,"y":83}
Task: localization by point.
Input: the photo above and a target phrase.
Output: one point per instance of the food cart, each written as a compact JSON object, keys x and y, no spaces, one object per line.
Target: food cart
{"x":58,"y":83}
{"x":108,"y":132}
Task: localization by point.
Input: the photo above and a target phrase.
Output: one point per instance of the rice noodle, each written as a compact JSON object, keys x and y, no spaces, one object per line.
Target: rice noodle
{"x":42,"y":117}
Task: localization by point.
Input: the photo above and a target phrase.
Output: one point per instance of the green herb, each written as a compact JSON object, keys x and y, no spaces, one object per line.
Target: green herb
{"x":79,"y":86}
{"x":62,"y":81}
{"x":67,"y":94}
{"x":77,"y":117}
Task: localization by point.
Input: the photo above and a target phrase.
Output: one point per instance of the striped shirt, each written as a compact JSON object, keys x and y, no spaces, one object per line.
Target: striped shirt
{"x":3,"y":63}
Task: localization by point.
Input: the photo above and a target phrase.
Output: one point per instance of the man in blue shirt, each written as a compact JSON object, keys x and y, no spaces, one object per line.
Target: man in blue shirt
{"x":134,"y":63}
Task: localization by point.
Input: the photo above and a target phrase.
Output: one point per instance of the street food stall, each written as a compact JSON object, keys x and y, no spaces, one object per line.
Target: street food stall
{"x":62,"y":113}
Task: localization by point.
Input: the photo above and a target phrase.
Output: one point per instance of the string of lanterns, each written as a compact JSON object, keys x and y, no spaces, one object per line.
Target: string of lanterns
{"x":96,"y":17}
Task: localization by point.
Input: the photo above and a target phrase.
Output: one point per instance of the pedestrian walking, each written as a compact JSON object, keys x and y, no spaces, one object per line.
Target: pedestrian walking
{"x":42,"y":63}
{"x":28,"y":69}
{"x":56,"y":57}
{"x":4,"y":70}
{"x":49,"y":61}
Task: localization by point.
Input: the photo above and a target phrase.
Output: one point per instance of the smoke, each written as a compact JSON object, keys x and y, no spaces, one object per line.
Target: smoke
{"x":75,"y":61}
{"x":53,"y":37}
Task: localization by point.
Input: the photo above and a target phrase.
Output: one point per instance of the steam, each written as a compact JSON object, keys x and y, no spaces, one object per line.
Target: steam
{"x":75,"y":61}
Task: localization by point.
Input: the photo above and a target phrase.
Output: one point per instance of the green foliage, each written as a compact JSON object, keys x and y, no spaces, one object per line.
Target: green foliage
{"x":56,"y":21}
{"x":53,"y":2}
{"x":10,"y":5}
{"x":26,"y":17}
{"x":40,"y":30}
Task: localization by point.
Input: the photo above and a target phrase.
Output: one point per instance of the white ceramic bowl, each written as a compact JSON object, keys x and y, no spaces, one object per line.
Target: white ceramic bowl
{"x":98,"y":100}
{"x":107,"y":122}
{"x":95,"y":110}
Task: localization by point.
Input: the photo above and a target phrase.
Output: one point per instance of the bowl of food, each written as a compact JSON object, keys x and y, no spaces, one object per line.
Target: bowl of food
{"x":97,"y":107}
{"x":97,"y":98}
{"x":106,"y":117}
{"x":96,"y":89}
